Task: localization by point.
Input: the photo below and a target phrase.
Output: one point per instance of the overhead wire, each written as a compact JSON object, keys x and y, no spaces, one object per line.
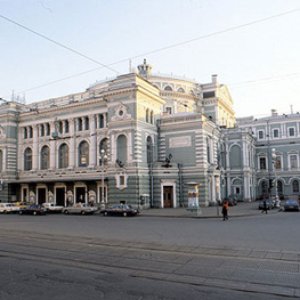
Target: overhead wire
{"x":59,"y":44}
{"x":209,"y":35}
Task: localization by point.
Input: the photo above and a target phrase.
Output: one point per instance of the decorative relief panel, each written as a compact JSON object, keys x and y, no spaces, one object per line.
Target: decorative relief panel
{"x":121,"y":113}
{"x":182,"y":141}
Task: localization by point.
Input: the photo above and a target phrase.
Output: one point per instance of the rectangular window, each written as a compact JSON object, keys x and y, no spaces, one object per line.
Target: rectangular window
{"x":291,"y":131}
{"x":293,"y":161}
{"x":262,"y":163}
{"x":169,"y":110}
{"x":276,"y":133}
{"x":122,"y":180}
{"x":260,"y":134}
{"x":209,"y":95}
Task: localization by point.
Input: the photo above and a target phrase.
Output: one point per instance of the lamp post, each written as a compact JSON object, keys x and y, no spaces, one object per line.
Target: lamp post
{"x":274,"y":169}
{"x":103,"y":159}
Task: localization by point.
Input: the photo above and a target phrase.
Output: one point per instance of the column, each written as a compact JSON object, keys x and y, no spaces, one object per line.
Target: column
{"x":52,"y":147}
{"x":93,"y":146}
{"x":35,"y":150}
{"x":72,"y":126}
{"x":246,"y":188}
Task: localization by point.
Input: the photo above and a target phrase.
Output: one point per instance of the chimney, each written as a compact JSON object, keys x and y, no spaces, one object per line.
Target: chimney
{"x":214,"y":78}
{"x":274,"y":112}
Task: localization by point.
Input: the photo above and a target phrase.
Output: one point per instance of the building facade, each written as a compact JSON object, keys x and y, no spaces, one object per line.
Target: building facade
{"x":147,"y":140}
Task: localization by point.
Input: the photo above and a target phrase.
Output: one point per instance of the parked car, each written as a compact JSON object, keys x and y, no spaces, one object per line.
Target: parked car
{"x":120,"y":210}
{"x":52,"y":207}
{"x":291,"y":205}
{"x":80,"y":208}
{"x":270,"y":204}
{"x":8,"y":208}
{"x":33,"y":209}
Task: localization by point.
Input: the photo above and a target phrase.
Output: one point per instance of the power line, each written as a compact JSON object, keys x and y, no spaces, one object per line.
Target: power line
{"x":59,"y":44}
{"x":265,"y":80}
{"x":233,"y":28}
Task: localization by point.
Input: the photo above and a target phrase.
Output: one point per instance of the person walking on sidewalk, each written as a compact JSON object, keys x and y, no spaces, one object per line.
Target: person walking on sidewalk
{"x":225,"y":210}
{"x":265,"y":207}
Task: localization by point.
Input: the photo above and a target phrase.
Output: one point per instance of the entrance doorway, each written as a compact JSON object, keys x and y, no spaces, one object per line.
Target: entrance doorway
{"x":41,"y":195}
{"x":168,"y":196}
{"x":80,"y":195}
{"x":60,"y":196}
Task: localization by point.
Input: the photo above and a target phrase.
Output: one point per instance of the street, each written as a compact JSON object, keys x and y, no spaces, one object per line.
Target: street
{"x":95,"y":257}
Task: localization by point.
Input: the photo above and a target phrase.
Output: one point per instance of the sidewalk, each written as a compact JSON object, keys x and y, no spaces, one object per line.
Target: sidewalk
{"x":240,"y":210}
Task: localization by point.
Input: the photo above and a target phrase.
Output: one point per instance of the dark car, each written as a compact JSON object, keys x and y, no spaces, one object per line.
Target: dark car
{"x":291,"y":205}
{"x":32,"y":210}
{"x":120,"y":210}
{"x":269,"y":202}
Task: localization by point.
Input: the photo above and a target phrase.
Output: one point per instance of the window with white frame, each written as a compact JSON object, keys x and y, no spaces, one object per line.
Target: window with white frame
{"x":278,"y":163}
{"x":275,"y":133}
{"x":295,"y":186}
{"x":260,"y":134}
{"x":291,"y":131}
{"x":293,"y":158}
{"x":262,"y":163}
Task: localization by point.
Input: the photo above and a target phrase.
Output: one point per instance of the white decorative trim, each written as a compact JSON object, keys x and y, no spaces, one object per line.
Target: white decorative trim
{"x":168,"y":182}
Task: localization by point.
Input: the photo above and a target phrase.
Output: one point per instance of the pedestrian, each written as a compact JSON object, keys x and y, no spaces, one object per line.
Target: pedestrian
{"x":265,"y":207}
{"x":225,"y":210}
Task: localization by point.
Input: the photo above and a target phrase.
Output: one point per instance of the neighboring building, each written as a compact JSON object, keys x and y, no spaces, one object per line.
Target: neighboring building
{"x":148,"y":140}
{"x":277,"y":149}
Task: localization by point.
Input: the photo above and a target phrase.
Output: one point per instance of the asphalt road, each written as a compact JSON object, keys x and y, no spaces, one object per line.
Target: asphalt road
{"x":94,"y":257}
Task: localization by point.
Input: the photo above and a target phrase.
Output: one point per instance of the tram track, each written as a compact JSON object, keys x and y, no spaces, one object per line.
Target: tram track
{"x":152,"y":261}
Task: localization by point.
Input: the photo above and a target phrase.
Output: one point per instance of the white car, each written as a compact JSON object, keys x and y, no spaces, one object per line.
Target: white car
{"x":52,"y":207}
{"x":8,"y":208}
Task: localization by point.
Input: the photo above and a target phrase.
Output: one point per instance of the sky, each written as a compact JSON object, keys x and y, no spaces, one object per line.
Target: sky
{"x":253,"y":46}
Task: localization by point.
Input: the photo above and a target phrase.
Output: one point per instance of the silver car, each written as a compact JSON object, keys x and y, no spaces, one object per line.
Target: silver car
{"x":80,"y":208}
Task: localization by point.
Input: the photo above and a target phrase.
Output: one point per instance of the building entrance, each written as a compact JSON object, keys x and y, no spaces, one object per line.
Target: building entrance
{"x":60,"y":196}
{"x":41,"y":195}
{"x":80,"y":195}
{"x":168,"y":196}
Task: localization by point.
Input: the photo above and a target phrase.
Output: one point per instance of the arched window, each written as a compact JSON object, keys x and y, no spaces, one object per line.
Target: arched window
{"x":66,"y":126}
{"x":27,"y":159}
{"x":149,"y":150}
{"x":101,"y":121}
{"x":264,"y":187}
{"x":168,"y":88}
{"x":48,"y":129}
{"x":151,"y":117}
{"x":79,"y":124}
{"x":279,"y":187}
{"x":1,"y":161}
{"x":60,"y":127}
{"x":122,"y":148}
{"x":63,"y":156}
{"x":295,"y":185}
{"x":181,"y":90}
{"x":86,"y":123}
{"x":45,"y":158}
{"x":103,"y":145}
{"x":83,"y":151}
{"x":30,"y":132}
{"x":42,"y":130}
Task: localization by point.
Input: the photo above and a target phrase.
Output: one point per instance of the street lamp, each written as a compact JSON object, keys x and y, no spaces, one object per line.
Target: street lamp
{"x":274,"y":169}
{"x":103,"y":159}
